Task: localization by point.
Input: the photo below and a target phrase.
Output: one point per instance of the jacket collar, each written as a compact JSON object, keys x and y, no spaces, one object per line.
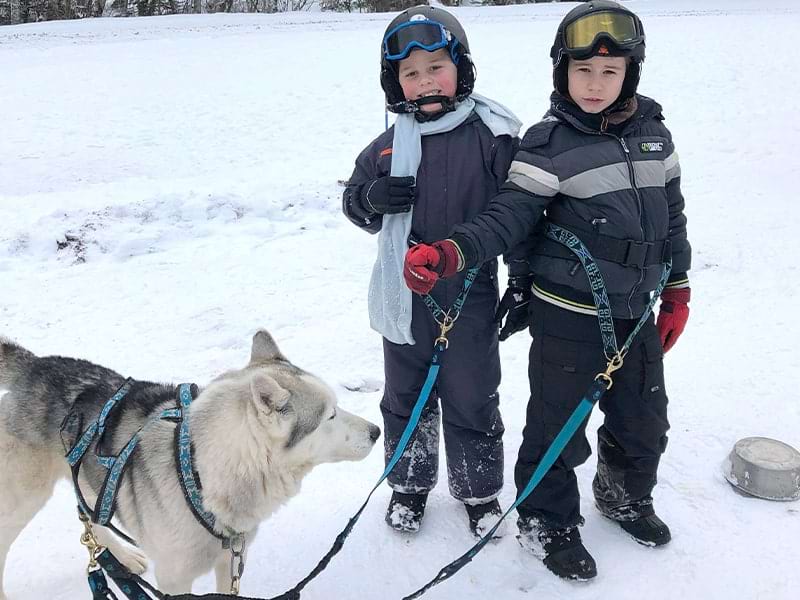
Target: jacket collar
{"x":615,"y":120}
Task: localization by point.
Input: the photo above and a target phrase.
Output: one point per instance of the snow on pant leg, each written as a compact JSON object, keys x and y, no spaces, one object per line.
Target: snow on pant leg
{"x":418,"y":469}
{"x":566,"y":354}
{"x":471,"y":422}
{"x":406,"y":368}
{"x":633,"y":436}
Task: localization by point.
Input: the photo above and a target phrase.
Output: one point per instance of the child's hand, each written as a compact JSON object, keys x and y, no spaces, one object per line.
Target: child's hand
{"x":672,"y":315}
{"x":425,"y":264}
{"x":388,"y":195}
{"x":515,"y":303}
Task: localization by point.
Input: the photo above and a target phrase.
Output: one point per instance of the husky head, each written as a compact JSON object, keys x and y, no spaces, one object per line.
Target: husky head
{"x":305,"y":409}
{"x":263,"y":427}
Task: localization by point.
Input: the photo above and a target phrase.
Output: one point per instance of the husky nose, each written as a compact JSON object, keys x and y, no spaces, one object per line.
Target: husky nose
{"x":374,"y":432}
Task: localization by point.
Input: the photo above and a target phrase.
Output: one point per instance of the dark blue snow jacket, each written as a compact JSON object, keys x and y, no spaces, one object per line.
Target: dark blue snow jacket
{"x":460,"y":171}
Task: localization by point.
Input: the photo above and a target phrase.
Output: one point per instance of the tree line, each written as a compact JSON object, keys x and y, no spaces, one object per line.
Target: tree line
{"x":31,"y":11}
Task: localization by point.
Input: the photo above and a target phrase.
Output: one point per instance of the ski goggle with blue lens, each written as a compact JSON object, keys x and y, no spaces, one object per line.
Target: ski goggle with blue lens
{"x":427,"y":35}
{"x":582,"y":34}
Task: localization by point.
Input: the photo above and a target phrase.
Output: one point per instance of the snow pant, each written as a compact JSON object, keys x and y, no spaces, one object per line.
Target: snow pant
{"x":565,"y":356}
{"x":466,"y":388}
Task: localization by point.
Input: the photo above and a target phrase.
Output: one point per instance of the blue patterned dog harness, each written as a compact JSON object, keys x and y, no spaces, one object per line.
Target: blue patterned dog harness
{"x":104,"y":508}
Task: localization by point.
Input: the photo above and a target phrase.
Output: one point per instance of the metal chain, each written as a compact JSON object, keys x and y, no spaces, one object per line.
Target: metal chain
{"x":237,"y":562}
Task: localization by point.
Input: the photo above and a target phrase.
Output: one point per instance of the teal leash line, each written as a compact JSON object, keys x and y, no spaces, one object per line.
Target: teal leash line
{"x":601,"y":384}
{"x":446,"y":321}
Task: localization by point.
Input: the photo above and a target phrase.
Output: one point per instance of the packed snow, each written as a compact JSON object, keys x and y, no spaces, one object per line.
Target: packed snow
{"x":170,"y":184}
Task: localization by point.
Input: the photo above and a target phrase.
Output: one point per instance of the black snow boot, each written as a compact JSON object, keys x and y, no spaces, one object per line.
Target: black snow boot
{"x":482,"y":518}
{"x":561,"y":550}
{"x":640,"y":521}
{"x":648,"y":531}
{"x":405,"y":511}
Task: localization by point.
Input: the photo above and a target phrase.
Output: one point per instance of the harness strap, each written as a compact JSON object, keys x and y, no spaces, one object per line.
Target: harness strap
{"x":599,"y":293}
{"x":97,"y":428}
{"x":76,"y":454}
{"x":438,"y":313}
{"x":190,"y":481}
{"x":629,"y":253}
{"x":116,"y":465}
{"x":106,"y":500}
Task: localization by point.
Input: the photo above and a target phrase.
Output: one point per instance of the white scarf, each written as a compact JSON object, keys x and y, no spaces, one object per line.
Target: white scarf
{"x":389,"y":297}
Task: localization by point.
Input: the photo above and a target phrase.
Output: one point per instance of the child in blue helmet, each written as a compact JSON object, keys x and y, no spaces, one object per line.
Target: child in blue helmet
{"x":445,"y":157}
{"x":602,"y":166}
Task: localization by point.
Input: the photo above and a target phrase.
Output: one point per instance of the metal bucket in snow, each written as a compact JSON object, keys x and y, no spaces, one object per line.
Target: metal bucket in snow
{"x":764,"y":468}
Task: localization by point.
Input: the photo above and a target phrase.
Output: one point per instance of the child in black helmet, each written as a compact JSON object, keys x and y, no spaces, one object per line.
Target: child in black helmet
{"x":445,"y":157}
{"x":602,"y":166}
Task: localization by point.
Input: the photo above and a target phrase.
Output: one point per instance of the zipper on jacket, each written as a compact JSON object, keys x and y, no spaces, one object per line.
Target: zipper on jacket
{"x":583,"y":128}
{"x":632,"y":177}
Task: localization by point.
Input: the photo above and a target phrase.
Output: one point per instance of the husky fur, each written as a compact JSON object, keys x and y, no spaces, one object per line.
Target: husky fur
{"x":256,"y":432}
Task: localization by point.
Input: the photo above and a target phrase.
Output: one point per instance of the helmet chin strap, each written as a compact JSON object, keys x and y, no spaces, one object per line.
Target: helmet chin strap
{"x":447,"y":104}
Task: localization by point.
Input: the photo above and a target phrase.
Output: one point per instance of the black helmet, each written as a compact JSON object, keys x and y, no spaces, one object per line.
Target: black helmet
{"x":429,"y":28}
{"x":599,"y":27}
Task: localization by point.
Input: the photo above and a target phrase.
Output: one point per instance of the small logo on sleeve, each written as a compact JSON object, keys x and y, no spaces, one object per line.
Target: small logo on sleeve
{"x":651,"y":146}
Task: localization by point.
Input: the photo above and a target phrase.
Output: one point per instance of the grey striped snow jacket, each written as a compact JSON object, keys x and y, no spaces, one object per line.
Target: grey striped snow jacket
{"x":618,"y":190}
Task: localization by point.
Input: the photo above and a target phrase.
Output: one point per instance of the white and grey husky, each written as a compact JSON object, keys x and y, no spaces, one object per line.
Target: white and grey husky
{"x":256,"y":432}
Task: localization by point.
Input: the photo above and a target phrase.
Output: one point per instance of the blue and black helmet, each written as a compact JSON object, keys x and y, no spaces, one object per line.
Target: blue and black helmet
{"x":428,"y":28}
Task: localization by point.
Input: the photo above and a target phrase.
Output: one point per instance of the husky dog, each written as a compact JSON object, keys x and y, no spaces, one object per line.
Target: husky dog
{"x":256,"y":432}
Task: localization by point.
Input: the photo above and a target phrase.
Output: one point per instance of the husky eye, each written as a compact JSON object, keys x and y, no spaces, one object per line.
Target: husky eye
{"x":333,"y":416}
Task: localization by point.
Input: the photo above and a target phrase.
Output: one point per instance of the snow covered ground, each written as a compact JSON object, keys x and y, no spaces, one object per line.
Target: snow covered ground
{"x":167,"y":185}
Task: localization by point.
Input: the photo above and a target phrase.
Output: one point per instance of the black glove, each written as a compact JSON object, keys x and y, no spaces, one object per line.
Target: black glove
{"x":515,"y":304}
{"x":388,"y":195}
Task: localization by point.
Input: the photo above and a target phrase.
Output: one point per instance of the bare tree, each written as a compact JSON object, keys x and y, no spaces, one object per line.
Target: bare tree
{"x":6,"y":9}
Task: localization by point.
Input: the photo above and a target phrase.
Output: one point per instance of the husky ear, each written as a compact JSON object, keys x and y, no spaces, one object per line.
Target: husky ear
{"x":267,"y":394}
{"x":264,"y":348}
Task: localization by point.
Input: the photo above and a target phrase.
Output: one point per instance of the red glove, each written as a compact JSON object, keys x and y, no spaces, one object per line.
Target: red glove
{"x":425,"y":264}
{"x":672,"y":315}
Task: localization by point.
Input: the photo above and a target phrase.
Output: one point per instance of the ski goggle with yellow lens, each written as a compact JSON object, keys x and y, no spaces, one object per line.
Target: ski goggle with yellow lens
{"x":425,"y":34}
{"x":581,"y":35}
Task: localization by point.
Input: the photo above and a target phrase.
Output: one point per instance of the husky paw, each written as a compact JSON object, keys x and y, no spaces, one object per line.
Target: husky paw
{"x":133,"y":559}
